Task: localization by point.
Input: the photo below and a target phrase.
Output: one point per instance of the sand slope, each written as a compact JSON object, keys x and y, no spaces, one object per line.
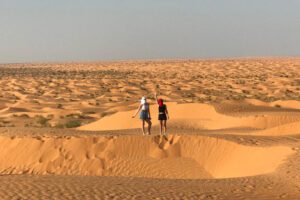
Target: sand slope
{"x":206,"y":117}
{"x":137,"y":156}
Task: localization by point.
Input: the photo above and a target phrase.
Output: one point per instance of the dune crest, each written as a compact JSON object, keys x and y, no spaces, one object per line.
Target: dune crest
{"x":207,"y":117}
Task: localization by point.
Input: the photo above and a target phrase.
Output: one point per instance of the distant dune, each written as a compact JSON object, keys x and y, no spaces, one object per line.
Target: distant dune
{"x":67,"y":132}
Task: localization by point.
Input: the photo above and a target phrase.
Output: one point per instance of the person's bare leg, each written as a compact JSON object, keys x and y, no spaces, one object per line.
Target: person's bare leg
{"x":149,"y":126}
{"x":143,"y":126}
{"x":165,"y":127}
{"x":161,"y":127}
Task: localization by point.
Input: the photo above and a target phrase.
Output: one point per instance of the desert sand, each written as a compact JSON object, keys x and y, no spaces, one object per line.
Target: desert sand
{"x":66,"y":130}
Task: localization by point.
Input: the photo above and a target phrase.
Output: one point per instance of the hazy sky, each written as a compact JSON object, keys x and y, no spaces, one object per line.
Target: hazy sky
{"x":72,"y":30}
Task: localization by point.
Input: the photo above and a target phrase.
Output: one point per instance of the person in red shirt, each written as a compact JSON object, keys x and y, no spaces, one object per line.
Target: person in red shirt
{"x":163,"y":115}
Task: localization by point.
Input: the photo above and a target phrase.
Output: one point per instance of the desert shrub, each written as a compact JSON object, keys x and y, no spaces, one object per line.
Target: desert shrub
{"x":50,"y":116}
{"x":35,"y":101}
{"x":75,"y":115}
{"x":240,"y":81}
{"x":42,"y":120}
{"x":5,"y":122}
{"x":238,"y":97}
{"x":59,"y":126}
{"x":246,"y":91}
{"x":73,"y":124}
{"x":59,"y":106}
{"x":297,"y":82}
{"x":24,"y":115}
{"x":88,"y":112}
{"x":268,"y":98}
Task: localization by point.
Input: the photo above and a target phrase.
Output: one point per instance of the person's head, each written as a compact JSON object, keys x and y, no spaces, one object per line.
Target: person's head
{"x":160,"y":102}
{"x":143,"y":100}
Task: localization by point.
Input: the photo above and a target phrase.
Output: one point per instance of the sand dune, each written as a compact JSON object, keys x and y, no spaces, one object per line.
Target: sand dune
{"x":286,"y":129}
{"x":67,"y":132}
{"x":94,"y":90}
{"x":138,"y":156}
{"x":206,"y":117}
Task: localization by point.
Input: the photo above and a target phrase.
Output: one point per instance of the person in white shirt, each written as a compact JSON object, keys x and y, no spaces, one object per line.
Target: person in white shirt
{"x":145,"y":116}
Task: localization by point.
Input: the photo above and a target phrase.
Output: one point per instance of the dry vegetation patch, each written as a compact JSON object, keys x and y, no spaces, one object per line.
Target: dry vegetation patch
{"x":62,"y":89}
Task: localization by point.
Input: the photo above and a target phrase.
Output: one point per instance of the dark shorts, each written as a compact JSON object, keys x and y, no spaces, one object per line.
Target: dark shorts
{"x":162,"y":117}
{"x":144,"y":115}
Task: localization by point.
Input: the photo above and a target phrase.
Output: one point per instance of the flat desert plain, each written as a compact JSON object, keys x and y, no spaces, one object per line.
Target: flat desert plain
{"x":67,"y":130}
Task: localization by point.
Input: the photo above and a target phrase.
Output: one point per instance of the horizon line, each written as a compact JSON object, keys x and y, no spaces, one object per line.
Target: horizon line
{"x":152,"y":60}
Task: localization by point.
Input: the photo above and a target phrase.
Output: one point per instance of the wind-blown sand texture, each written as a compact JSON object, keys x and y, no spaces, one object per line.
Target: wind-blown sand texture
{"x":67,"y":133}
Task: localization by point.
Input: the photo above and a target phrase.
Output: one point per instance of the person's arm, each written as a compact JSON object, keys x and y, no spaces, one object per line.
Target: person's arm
{"x":167,"y":113}
{"x":155,"y":95}
{"x":138,"y":110}
{"x":149,"y":112}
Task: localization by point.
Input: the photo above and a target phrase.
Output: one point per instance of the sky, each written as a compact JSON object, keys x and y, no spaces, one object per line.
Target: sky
{"x":95,"y":30}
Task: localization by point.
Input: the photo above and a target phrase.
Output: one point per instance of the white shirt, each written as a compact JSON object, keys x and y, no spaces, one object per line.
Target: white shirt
{"x":145,"y":106}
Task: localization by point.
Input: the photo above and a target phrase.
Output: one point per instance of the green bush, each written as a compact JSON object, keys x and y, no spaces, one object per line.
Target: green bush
{"x":73,"y":124}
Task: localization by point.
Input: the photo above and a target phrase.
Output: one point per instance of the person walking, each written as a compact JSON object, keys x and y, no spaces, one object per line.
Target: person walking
{"x":145,"y":116}
{"x":163,"y":115}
